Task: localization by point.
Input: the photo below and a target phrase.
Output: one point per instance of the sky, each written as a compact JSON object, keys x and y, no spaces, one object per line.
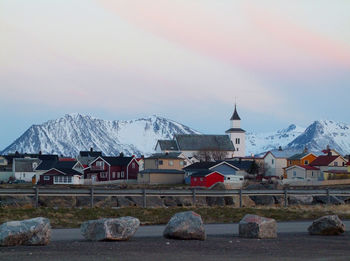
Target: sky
{"x":282,"y":62}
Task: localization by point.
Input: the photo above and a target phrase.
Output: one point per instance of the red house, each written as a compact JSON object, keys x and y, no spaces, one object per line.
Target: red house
{"x":206,"y":178}
{"x":109,"y":169}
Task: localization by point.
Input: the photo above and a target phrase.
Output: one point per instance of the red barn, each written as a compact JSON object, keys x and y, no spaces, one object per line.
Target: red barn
{"x":206,"y":178}
{"x":110,"y":169}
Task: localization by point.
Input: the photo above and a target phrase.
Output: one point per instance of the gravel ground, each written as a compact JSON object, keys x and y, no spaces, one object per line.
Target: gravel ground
{"x":288,"y":246}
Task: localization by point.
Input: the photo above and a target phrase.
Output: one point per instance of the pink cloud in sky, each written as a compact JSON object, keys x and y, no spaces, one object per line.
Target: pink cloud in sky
{"x":267,"y":41}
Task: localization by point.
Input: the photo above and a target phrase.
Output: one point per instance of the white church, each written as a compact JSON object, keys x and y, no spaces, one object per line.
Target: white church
{"x":237,"y":135}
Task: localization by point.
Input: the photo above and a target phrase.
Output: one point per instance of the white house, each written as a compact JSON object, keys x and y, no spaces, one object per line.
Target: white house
{"x":24,"y":168}
{"x":302,"y":172}
{"x":275,"y":162}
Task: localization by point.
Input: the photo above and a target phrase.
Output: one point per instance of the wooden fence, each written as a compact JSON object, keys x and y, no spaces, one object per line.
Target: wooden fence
{"x":92,"y":192}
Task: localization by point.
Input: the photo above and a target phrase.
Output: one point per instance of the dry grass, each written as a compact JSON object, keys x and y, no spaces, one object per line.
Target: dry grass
{"x":73,"y":217}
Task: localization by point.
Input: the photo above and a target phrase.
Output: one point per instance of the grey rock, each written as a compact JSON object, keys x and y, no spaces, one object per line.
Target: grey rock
{"x":35,"y":231}
{"x":124,"y":202}
{"x":169,"y":201}
{"x":263,"y":200}
{"x":229,"y":201}
{"x":119,"y":229}
{"x":253,"y":226}
{"x":154,"y":202}
{"x":137,"y":201}
{"x":300,"y":200}
{"x":185,"y":225}
{"x":327,"y":225}
{"x":324,"y":200}
{"x":215,"y":201}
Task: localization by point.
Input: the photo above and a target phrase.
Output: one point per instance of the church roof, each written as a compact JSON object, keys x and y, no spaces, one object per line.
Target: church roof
{"x":235,"y":115}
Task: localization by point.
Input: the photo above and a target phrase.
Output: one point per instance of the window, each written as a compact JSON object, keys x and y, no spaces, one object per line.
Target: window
{"x":118,"y":175}
{"x":312,"y":173}
{"x":182,"y":163}
{"x":294,"y":173}
{"x":103,"y":175}
{"x":171,"y":163}
{"x":47,"y":177}
{"x":335,"y":163}
{"x":113,"y":174}
{"x":272,"y":161}
{"x":133,"y":165}
{"x":290,"y":162}
{"x":69,"y":179}
{"x":306,"y":162}
{"x":201,"y":179}
{"x":343,"y":163}
{"x":238,"y":141}
{"x":56,"y":179}
{"x":160,"y":162}
{"x":100,"y":164}
{"x":195,"y":179}
{"x":35,"y":165}
{"x":122,"y":174}
{"x":237,"y":149}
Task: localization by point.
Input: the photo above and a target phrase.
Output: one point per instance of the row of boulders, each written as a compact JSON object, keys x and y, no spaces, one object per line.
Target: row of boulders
{"x":183,"y":225}
{"x":169,"y":201}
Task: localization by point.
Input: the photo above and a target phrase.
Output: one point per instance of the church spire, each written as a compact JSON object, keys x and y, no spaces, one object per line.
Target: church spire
{"x":235,"y":115}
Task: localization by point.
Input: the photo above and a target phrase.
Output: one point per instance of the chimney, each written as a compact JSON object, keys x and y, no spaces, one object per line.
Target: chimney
{"x":280,"y":148}
{"x":40,"y":153}
{"x":121,"y":154}
{"x":329,"y":153}
{"x":306,"y":150}
{"x":91,"y":149}
{"x":142,"y":156}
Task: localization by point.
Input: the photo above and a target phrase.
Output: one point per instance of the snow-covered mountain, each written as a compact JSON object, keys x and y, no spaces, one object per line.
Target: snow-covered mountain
{"x":315,"y":137}
{"x":260,"y":142}
{"x":322,"y":133}
{"x":74,"y":132}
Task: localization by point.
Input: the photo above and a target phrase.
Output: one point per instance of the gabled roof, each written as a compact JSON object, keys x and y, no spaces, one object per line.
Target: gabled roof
{"x":241,"y":164}
{"x":282,"y":154}
{"x":93,"y":154}
{"x":116,"y":161}
{"x":167,"y":155}
{"x":196,"y":142}
{"x":49,"y":164}
{"x":235,"y":115}
{"x":323,"y":160}
{"x":201,"y":166}
{"x":307,"y":167}
{"x":64,"y":171}
{"x":299,"y":156}
{"x":205,"y":173}
{"x":168,"y":145}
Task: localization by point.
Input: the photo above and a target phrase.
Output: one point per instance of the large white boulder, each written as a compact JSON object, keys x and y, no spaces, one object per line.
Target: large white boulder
{"x":253,"y":226}
{"x":35,"y":231}
{"x":119,"y":229}
{"x":185,"y":225}
{"x":327,"y":225}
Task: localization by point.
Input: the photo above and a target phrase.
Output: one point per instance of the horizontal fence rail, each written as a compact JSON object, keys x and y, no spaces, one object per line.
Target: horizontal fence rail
{"x":194,"y":193}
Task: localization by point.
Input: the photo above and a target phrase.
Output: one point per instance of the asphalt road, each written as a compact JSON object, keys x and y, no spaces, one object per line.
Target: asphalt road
{"x":211,"y":230}
{"x":222,"y":243}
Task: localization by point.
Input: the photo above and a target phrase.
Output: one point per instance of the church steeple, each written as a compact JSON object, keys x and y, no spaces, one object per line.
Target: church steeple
{"x":235,"y":115}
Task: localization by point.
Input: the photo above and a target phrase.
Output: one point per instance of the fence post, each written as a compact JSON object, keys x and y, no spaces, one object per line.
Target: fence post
{"x":144,"y":198}
{"x":285,"y":198}
{"x":36,"y":196}
{"x":91,"y":197}
{"x":328,"y":197}
{"x":240,"y":198}
{"x":194,"y":197}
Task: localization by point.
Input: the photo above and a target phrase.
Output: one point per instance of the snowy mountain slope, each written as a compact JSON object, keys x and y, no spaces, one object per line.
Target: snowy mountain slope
{"x":322,"y":133}
{"x":74,"y":132}
{"x":258,"y":143}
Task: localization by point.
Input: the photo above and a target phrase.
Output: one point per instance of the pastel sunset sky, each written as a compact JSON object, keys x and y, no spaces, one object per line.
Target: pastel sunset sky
{"x":284,"y":61}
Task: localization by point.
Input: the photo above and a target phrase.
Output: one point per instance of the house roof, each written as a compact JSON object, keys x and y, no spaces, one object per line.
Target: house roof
{"x":235,"y":130}
{"x":25,"y":164}
{"x":202,"y":165}
{"x":298,"y":156}
{"x":162,"y":171}
{"x":118,"y":161}
{"x":235,"y":115}
{"x":241,"y":164}
{"x":280,"y":153}
{"x":338,"y":171}
{"x":167,"y":155}
{"x":64,"y":171}
{"x":49,"y":164}
{"x":196,"y":142}
{"x":46,"y":165}
{"x":323,"y":160}
{"x":93,"y":154}
{"x":168,"y":145}
{"x":204,"y":173}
